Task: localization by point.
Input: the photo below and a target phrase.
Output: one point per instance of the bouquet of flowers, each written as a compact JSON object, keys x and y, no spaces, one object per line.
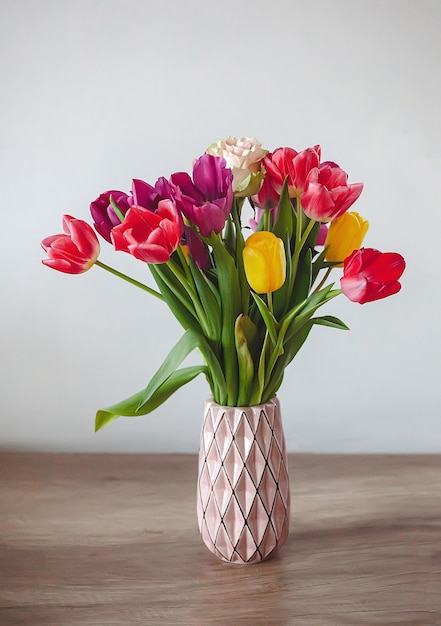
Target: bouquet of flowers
{"x":246,"y":293}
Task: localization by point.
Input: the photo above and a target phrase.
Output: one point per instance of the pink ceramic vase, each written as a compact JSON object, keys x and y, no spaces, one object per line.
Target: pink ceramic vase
{"x":243,"y":497}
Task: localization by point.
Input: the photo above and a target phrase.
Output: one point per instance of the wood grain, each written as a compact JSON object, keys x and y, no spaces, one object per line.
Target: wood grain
{"x":103,"y":540}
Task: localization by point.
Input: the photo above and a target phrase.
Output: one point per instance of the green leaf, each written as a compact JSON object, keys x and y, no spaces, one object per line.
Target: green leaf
{"x":285,"y":215}
{"x":175,"y":297}
{"x":302,"y":283}
{"x":281,"y":296}
{"x":270,"y":321}
{"x":291,"y":348}
{"x":320,"y":264}
{"x":310,"y":306}
{"x":245,"y":362}
{"x":209,"y":299}
{"x":117,"y":210}
{"x":330,"y":320}
{"x":189,"y":341}
{"x":130,"y":406}
{"x":256,"y":395}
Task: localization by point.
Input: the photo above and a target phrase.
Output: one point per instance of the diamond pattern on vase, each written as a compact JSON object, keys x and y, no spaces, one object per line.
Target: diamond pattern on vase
{"x":278,"y":514}
{"x":275,"y":459}
{"x":269,"y":539}
{"x":213,"y":461}
{"x":246,"y":547}
{"x":264,"y":434}
{"x":233,"y":465}
{"x":222,"y":546}
{"x":212,"y":517}
{"x":243,"y":488}
{"x":243,"y":437}
{"x":222,"y":492}
{"x":207,"y":433}
{"x":205,"y":487}
{"x":223,"y":437}
{"x":255,"y":463}
{"x":268,"y":489}
{"x":258,"y":520}
{"x":283,"y":477}
{"x":233,"y":521}
{"x":245,"y":492}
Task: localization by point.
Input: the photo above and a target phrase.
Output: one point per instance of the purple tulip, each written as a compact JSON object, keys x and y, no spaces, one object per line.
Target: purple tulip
{"x":149,"y":197}
{"x":104,"y":217}
{"x":196,"y":248}
{"x":206,"y":200}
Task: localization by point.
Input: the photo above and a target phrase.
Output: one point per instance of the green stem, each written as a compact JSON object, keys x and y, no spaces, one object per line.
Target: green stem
{"x":240,"y":244}
{"x":132,"y":281}
{"x":184,"y":263}
{"x":298,"y":224}
{"x":266,"y":220}
{"x":269,"y":297}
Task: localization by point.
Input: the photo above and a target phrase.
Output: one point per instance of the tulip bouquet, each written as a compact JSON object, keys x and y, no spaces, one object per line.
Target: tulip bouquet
{"x":246,"y":292}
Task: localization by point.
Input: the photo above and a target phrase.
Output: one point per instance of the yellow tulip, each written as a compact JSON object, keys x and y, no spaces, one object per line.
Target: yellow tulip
{"x":345,"y":234}
{"x":264,"y":262}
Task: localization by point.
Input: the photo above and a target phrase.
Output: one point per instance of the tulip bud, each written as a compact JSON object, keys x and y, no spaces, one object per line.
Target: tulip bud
{"x":345,"y":234}
{"x":264,"y":262}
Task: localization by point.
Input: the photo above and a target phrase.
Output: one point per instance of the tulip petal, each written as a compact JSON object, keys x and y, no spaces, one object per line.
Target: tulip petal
{"x":344,"y":197}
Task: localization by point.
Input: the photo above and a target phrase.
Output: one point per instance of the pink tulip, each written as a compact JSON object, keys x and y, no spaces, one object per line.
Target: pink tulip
{"x":76,"y":251}
{"x":287,"y":162}
{"x":370,"y":275}
{"x":150,"y":236}
{"x":327,"y":194}
{"x":321,"y":237}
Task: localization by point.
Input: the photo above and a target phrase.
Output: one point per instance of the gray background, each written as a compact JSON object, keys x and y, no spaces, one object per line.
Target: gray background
{"x":95,"y":93}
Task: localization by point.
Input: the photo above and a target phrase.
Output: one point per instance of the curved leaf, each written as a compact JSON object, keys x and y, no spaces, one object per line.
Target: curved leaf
{"x":130,"y":406}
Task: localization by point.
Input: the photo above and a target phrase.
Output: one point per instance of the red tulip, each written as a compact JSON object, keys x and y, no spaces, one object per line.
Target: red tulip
{"x":76,"y":251}
{"x":370,"y":275}
{"x":150,"y":236}
{"x":267,"y":197}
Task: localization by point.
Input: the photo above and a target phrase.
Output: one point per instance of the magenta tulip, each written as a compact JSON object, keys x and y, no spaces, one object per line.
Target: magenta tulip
{"x":327,"y":194}
{"x":150,"y":236}
{"x":196,"y":248}
{"x":74,"y":252}
{"x":370,"y":275}
{"x":149,"y":196}
{"x":206,"y":200}
{"x":103,"y":214}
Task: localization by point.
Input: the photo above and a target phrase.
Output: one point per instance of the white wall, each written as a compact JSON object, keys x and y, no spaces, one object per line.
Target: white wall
{"x":96,"y":92}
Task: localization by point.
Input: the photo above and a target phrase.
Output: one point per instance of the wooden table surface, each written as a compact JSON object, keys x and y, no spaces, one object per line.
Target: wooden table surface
{"x":113,"y":540}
